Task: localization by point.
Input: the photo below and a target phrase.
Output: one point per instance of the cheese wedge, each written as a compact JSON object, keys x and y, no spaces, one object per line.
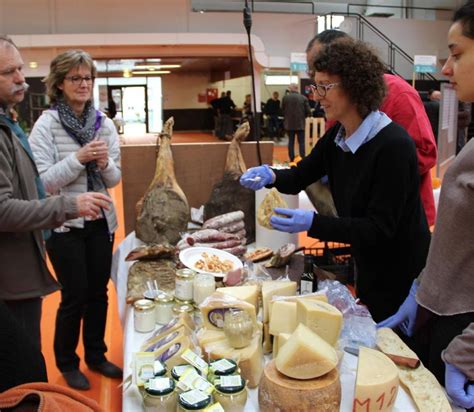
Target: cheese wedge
{"x":321,"y":317}
{"x":205,"y":336}
{"x":321,"y":297}
{"x":278,"y":341}
{"x":283,"y":317}
{"x":249,"y":359}
{"x":275,"y":288}
{"x":215,"y":306}
{"x":248,"y":294}
{"x":305,"y":355}
{"x":376,"y":383}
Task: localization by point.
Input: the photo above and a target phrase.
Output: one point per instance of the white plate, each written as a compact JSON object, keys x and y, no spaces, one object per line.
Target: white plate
{"x":191,"y":255}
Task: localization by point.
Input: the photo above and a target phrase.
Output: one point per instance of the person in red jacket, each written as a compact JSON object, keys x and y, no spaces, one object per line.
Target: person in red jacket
{"x":403,"y":105}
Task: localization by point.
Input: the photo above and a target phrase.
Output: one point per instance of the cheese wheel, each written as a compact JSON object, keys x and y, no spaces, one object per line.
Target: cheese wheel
{"x":277,"y":392}
{"x":376,"y":383}
{"x":305,"y":355}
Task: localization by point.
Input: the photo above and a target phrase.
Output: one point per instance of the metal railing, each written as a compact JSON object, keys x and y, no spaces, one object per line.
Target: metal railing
{"x":392,"y":50}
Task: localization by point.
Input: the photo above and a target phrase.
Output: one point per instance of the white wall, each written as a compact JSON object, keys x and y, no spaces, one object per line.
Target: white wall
{"x":181,"y":91}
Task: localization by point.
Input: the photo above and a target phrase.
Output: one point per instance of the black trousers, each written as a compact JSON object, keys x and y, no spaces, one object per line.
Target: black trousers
{"x":291,"y":143}
{"x":27,"y":313}
{"x":432,"y":336}
{"x":81,"y":259}
{"x":21,"y":360}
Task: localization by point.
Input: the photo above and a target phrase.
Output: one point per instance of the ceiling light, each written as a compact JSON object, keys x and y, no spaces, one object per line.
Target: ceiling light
{"x":127,"y":73}
{"x":151,"y":72}
{"x":33,"y":65}
{"x":157,"y":66}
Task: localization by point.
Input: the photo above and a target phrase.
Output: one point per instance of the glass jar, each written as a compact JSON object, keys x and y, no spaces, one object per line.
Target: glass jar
{"x":163,"y":308}
{"x":193,"y":400}
{"x":184,"y":284}
{"x":222,"y":367}
{"x":160,"y":396}
{"x":238,"y":328}
{"x":179,"y":308}
{"x":204,"y":286}
{"x":144,"y":315}
{"x":231,"y":393}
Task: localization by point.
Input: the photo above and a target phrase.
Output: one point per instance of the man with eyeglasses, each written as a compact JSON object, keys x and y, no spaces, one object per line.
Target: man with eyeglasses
{"x":403,"y":105}
{"x":295,"y":108}
{"x":25,"y":211}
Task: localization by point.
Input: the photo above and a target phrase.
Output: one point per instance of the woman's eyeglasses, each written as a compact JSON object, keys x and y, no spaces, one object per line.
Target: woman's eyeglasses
{"x":77,"y":80}
{"x":322,"y":89}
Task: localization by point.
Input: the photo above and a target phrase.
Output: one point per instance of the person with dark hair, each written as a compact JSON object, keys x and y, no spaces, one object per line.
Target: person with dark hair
{"x":403,"y":105}
{"x":77,"y":150}
{"x":432,"y":110}
{"x":272,"y":110}
{"x":439,"y":310}
{"x":226,"y":106}
{"x":295,"y":109}
{"x":372,"y":169}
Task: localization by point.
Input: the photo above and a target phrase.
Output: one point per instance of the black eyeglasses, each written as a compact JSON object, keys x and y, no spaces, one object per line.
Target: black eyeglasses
{"x":77,"y":80}
{"x":322,"y":89}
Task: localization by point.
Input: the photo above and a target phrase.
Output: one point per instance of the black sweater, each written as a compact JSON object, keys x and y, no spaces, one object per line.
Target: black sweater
{"x":376,"y":193}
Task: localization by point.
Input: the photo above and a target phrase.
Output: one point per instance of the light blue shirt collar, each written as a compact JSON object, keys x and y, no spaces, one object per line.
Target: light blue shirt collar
{"x":367,"y":130}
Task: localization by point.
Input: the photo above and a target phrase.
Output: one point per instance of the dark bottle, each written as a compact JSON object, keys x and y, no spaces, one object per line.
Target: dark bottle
{"x":308,"y":281}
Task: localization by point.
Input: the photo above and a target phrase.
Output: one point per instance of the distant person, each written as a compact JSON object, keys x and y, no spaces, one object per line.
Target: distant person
{"x":432,"y":110}
{"x":226,"y":106}
{"x":404,"y":106}
{"x":247,"y":107}
{"x":464,"y":118}
{"x":216,"y":104}
{"x":315,"y":106}
{"x":272,"y":110}
{"x":295,"y":108}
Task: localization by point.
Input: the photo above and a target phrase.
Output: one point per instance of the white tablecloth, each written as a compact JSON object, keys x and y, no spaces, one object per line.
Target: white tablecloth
{"x":132,"y":341}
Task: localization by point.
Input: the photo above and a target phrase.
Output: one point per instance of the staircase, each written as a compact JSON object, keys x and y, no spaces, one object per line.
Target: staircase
{"x":397,"y":60}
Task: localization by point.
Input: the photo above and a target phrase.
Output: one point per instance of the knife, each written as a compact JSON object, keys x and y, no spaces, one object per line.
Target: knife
{"x":412,"y":363}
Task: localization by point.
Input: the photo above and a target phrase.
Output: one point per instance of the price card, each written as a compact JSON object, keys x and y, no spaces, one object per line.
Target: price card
{"x":222,"y":365}
{"x":159,"y":384}
{"x":231,"y":381}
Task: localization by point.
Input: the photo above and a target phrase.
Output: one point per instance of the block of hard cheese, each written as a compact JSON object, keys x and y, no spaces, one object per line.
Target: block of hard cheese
{"x":321,"y":317}
{"x":305,"y":355}
{"x":283,"y":317}
{"x":275,"y":288}
{"x":249,"y":359}
{"x":312,"y":296}
{"x":277,"y":392}
{"x":246,"y":293}
{"x":376,"y":382}
{"x":205,"y":336}
{"x":278,"y":342}
{"x":215,"y":306}
{"x":422,"y":385}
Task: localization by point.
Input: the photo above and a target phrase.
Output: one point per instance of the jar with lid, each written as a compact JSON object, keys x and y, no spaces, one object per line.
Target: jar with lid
{"x":204,"y":286}
{"x":238,"y":328}
{"x":193,"y":400}
{"x":163,"y":308}
{"x":144,"y":315}
{"x":178,"y":370}
{"x":159,"y":395}
{"x":184,"y":284}
{"x":231,"y":393}
{"x":222,"y":367}
{"x":179,"y":308}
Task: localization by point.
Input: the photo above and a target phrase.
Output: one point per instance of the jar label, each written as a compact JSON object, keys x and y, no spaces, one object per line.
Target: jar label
{"x":192,"y":380}
{"x":159,"y":384}
{"x":194,"y":396}
{"x":179,"y":370}
{"x":231,"y":381}
{"x":222,"y":365}
{"x":195,"y":360}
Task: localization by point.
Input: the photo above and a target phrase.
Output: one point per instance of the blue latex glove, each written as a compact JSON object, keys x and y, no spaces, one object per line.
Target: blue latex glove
{"x":257,"y":177}
{"x":458,"y":387}
{"x":406,"y":314}
{"x":297,"y":220}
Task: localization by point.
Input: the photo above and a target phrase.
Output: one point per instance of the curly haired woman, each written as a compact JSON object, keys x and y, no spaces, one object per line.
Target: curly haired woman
{"x":372,"y":169}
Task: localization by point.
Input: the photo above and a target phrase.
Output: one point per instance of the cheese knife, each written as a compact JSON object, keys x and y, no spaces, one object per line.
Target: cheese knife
{"x":412,"y":363}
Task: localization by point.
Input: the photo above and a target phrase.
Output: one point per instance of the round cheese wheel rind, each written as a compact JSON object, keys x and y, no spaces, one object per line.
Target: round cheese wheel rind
{"x":277,"y":392}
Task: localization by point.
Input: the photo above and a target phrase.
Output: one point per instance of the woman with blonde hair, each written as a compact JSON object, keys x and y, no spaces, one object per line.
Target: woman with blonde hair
{"x":76,"y":149}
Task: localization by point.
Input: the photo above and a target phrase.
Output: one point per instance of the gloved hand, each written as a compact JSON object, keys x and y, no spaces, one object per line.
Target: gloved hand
{"x":296,"y":220}
{"x":455,"y":382}
{"x":257,"y":177}
{"x":406,"y":314}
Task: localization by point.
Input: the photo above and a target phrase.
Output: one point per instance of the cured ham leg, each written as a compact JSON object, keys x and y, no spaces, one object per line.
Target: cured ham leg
{"x":165,"y":210}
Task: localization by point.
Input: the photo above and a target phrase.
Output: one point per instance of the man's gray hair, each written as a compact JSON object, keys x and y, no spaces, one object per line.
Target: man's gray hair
{"x":6,"y":39}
